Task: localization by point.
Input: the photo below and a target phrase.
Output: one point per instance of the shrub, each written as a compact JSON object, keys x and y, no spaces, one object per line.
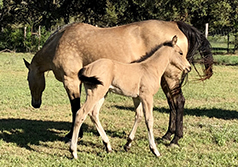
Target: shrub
{"x":13,"y":39}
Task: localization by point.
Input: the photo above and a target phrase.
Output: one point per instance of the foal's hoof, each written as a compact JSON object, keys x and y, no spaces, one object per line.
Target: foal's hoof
{"x":155,"y":152}
{"x":127,"y":148}
{"x":75,"y":156}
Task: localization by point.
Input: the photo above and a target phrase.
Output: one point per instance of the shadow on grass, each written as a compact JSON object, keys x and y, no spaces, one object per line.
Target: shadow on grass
{"x":25,"y":133}
{"x":214,"y":112}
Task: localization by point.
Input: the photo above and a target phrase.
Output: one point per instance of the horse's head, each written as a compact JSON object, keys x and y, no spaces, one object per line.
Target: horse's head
{"x":177,"y":58}
{"x":36,"y":81}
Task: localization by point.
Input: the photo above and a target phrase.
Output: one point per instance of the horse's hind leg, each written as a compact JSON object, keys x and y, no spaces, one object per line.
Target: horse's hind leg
{"x":138,"y":118}
{"x":95,"y":119}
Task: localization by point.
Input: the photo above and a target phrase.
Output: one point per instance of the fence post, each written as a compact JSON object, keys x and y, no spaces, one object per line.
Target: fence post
{"x":24,"y":33}
{"x":39,"y":33}
{"x":206,"y":30}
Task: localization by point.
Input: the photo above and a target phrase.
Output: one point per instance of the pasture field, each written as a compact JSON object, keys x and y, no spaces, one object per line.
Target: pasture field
{"x":32,"y":137}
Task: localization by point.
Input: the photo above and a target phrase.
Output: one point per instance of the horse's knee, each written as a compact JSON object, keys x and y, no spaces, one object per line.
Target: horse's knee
{"x":80,"y":117}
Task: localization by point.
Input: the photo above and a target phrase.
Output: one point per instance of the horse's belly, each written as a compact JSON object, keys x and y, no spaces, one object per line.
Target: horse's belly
{"x":122,"y":92}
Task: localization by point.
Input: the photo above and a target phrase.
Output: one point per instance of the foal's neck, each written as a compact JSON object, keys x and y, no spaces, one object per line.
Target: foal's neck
{"x":158,"y":62}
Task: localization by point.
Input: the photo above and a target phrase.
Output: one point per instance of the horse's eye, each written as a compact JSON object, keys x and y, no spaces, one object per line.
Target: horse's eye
{"x":181,"y":53}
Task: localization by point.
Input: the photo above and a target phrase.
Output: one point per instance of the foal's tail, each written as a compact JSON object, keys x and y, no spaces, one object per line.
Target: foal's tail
{"x":198,"y":42}
{"x":88,"y":80}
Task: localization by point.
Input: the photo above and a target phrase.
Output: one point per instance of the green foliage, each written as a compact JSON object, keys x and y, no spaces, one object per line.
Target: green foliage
{"x":13,"y":39}
{"x":52,"y":13}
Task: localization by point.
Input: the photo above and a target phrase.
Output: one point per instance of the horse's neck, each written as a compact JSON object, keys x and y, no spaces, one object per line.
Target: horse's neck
{"x":158,"y":62}
{"x":42,"y":62}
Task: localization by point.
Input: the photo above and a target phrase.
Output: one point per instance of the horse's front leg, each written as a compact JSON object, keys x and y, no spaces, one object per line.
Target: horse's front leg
{"x":73,"y":88}
{"x":176,"y":103}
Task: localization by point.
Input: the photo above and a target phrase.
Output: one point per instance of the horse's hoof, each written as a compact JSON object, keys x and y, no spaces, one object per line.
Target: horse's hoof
{"x":166,"y":139}
{"x":74,"y":154}
{"x":155,"y":152}
{"x":126,"y":148}
{"x":109,"y":150}
{"x":173,"y":145}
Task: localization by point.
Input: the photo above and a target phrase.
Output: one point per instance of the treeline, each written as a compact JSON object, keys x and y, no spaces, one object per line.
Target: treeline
{"x":49,"y":14}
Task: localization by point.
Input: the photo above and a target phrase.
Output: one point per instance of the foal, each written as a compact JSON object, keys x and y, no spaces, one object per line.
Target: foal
{"x":137,"y":80}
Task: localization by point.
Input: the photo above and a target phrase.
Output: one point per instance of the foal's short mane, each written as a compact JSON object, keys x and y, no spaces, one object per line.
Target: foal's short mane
{"x":153,"y":50}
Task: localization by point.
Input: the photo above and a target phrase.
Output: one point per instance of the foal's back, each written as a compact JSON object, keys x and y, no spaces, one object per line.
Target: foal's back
{"x":116,"y":75}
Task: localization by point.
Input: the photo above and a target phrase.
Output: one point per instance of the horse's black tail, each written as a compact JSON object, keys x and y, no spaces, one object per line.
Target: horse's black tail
{"x":198,"y":42}
{"x":88,"y":80}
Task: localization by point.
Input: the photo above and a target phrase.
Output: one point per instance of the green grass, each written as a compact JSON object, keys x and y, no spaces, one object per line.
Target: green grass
{"x":32,"y":137}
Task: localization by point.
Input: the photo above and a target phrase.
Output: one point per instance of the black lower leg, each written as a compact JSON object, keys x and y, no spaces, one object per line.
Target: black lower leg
{"x":179,"y":118}
{"x":75,"y":106}
{"x":172,"y":117}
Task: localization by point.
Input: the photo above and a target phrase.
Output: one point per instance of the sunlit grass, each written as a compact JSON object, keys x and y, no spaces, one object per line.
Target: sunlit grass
{"x":32,"y":137}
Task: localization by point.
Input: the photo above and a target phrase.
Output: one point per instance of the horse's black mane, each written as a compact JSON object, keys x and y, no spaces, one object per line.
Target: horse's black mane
{"x":197,"y":42}
{"x":153,"y":50}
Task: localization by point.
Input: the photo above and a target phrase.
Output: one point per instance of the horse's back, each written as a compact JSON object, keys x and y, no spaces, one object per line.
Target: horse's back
{"x":82,"y":43}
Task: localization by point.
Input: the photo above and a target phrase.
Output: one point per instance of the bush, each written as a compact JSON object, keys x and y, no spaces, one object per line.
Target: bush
{"x":13,"y":39}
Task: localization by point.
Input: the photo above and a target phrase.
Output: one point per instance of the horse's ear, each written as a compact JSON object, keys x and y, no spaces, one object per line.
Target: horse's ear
{"x":26,"y":63}
{"x":174,"y":40}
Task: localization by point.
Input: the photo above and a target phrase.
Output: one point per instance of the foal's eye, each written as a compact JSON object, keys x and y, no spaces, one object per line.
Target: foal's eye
{"x":181,"y":53}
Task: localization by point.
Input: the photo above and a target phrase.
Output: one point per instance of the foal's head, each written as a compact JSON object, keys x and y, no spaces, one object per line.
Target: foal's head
{"x":36,"y":81}
{"x":177,"y":58}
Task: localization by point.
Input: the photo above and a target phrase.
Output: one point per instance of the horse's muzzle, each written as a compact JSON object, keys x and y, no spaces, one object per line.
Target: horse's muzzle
{"x":36,"y":104}
{"x":187,"y":69}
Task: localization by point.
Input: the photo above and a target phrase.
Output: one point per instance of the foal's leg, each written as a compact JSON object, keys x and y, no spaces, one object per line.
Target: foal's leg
{"x":147,"y":103}
{"x":79,"y":119}
{"x":95,"y":119}
{"x":138,"y":118}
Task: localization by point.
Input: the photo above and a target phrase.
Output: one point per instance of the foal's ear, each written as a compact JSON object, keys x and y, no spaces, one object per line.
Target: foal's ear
{"x":26,"y":63}
{"x":174,"y":40}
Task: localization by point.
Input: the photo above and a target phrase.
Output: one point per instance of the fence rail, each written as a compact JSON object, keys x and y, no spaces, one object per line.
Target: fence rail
{"x":223,"y":41}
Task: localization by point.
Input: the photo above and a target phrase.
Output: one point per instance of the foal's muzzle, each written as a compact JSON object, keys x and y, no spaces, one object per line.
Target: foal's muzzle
{"x":187,"y":69}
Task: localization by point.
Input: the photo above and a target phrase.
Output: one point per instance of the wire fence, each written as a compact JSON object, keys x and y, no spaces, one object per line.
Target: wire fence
{"x":224,"y":41}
